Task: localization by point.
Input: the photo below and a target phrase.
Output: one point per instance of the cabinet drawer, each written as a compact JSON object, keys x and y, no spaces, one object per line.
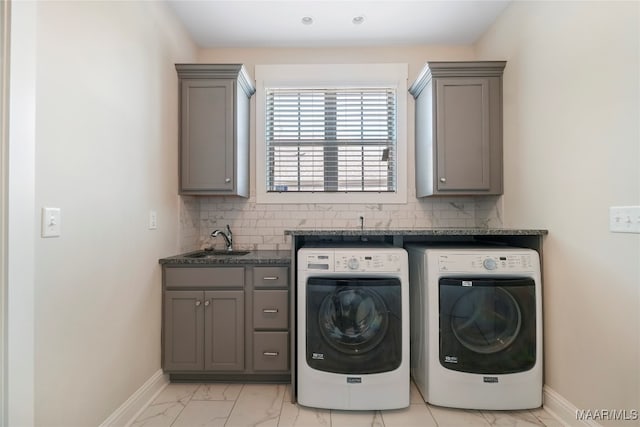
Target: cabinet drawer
{"x":228,"y":277}
{"x":271,"y":351}
{"x":270,"y":309}
{"x":273,"y":277}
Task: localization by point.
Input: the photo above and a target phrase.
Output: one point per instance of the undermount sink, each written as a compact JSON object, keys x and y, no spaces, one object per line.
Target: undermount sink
{"x":204,"y":254}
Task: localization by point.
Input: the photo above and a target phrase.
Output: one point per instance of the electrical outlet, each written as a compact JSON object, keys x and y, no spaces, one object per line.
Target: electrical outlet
{"x":624,"y":219}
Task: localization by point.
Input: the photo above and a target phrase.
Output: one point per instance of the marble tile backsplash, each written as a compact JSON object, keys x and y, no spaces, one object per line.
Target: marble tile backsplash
{"x":261,"y":226}
{"x":189,"y":223}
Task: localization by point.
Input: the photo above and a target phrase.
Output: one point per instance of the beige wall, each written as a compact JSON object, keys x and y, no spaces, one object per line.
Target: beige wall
{"x":415,"y":56}
{"x":106,"y":127}
{"x":572,"y":149}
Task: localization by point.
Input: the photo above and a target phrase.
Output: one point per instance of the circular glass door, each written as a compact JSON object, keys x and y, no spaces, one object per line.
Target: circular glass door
{"x":353,"y":320}
{"x":486,"y":320}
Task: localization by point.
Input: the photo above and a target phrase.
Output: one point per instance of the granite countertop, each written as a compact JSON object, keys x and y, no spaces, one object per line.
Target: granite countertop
{"x":419,"y":232}
{"x":254,"y":257}
{"x":263,"y":257}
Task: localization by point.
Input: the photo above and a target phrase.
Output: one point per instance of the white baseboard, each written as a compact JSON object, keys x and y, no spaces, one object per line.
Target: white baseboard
{"x":562,"y":409}
{"x":127,"y":413}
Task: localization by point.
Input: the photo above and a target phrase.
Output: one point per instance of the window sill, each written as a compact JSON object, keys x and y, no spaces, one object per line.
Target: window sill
{"x":399,"y":197}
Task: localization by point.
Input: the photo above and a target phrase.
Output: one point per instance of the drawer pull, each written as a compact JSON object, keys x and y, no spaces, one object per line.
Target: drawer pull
{"x":270,"y":310}
{"x":271,"y":353}
{"x":271,"y":278}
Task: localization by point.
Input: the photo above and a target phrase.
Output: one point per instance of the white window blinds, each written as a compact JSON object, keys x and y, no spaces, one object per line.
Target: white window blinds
{"x":331,"y":140}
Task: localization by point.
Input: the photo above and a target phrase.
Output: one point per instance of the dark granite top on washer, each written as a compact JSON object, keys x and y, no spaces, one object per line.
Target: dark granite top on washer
{"x":254,"y":257}
{"x":419,"y":232}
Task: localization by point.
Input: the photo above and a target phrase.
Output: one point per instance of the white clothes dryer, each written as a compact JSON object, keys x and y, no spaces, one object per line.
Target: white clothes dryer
{"x":353,"y":328}
{"x":476,"y":326}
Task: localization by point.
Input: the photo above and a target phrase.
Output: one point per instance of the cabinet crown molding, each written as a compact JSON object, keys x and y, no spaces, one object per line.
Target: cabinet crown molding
{"x":434,"y":69}
{"x":223,"y":71}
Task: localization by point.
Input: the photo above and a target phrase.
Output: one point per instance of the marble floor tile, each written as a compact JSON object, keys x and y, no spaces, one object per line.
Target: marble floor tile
{"x":210,"y":413}
{"x":511,"y":418}
{"x":167,"y":406}
{"x":269,"y":405}
{"x":177,"y":392}
{"x":448,"y":417}
{"x":356,"y":419}
{"x":546,"y":418}
{"x":416,"y":415}
{"x":217,"y":391}
{"x":159,"y":415}
{"x":293,"y":415}
{"x":258,"y":405}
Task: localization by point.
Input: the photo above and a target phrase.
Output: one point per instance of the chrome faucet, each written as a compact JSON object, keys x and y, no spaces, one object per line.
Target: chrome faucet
{"x":228,"y":237}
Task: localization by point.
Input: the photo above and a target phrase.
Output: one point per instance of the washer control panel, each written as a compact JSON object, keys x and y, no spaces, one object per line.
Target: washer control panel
{"x":370,"y":263}
{"x":486,"y":262}
{"x":351,"y":261}
{"x":316,"y":261}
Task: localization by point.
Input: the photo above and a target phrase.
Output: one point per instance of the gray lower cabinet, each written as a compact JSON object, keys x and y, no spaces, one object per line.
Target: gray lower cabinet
{"x":270,"y":329}
{"x":228,"y":323}
{"x":270,"y":351}
{"x":214,"y":129}
{"x":458,"y":125}
{"x":183,"y":331}
{"x":224,"y":331}
{"x":204,"y":330}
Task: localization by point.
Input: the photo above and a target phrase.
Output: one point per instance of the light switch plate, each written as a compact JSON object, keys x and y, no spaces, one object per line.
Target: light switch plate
{"x":51,"y":222}
{"x":624,"y":219}
{"x":153,"y":220}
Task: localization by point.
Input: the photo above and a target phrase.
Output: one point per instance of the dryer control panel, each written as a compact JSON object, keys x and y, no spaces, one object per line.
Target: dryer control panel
{"x":486,"y":262}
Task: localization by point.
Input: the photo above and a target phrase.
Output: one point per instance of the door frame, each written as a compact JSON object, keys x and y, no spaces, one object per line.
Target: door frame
{"x":19,"y":213}
{"x":5,"y":12}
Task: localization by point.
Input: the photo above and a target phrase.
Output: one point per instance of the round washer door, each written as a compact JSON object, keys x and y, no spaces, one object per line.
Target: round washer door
{"x":486,"y":320}
{"x":353,"y":325}
{"x":353,"y":320}
{"x":487,"y":325}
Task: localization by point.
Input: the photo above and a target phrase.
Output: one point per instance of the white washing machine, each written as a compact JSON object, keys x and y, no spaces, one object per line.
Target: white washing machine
{"x":353,"y":328}
{"x":476,"y":327}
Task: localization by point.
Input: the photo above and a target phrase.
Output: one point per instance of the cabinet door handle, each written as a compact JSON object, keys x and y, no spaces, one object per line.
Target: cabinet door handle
{"x":206,"y":303}
{"x":271,"y":353}
{"x":271,"y":278}
{"x":198,"y":303}
{"x":443,"y":179}
{"x":227,"y":180}
{"x":270,"y":310}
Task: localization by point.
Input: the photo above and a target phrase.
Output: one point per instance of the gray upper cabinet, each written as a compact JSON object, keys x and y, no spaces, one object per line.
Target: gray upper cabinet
{"x":214,"y":129}
{"x":459,"y":128}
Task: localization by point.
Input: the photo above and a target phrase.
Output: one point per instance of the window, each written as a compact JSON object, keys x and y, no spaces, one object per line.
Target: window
{"x":331,"y":133}
{"x":331,"y":139}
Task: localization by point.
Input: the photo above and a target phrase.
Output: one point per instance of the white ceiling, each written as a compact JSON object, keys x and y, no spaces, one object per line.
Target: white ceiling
{"x":273,"y":23}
